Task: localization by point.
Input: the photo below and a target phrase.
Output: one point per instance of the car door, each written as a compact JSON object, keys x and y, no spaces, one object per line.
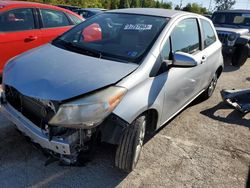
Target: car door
{"x":182,"y":83}
{"x":18,"y":33}
{"x":211,"y":52}
{"x":54,"y":23}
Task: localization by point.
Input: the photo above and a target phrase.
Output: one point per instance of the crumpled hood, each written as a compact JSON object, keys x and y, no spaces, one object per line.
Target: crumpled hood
{"x":49,"y":72}
{"x":232,"y":30}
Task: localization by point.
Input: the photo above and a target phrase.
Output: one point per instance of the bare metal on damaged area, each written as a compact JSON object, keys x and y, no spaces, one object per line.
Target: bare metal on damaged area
{"x":113,"y":78}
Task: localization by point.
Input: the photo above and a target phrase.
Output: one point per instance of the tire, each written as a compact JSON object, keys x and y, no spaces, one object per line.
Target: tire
{"x":210,"y":89}
{"x":130,"y":145}
{"x":240,"y":55}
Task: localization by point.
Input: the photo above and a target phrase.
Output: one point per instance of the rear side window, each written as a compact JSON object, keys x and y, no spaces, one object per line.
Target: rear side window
{"x":17,"y":20}
{"x":74,"y":19}
{"x":185,"y":36}
{"x":52,"y":18}
{"x":208,"y":33}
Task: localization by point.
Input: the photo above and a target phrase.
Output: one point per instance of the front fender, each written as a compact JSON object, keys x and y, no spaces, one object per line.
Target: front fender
{"x":146,"y":95}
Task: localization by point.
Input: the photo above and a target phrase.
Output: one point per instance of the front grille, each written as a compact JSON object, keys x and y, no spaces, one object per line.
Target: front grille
{"x":31,"y":108}
{"x":223,"y":37}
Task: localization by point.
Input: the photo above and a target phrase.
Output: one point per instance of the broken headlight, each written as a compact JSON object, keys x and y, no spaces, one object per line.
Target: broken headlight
{"x":88,"y":111}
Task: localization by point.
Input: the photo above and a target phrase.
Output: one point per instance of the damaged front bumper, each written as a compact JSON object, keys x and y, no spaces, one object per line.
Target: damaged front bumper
{"x":60,"y":145}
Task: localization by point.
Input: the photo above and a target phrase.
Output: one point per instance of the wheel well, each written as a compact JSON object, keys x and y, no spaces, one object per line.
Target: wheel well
{"x":152,"y":119}
{"x":219,"y":71}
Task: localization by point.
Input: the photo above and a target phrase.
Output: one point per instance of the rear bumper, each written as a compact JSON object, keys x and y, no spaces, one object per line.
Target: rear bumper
{"x":37,"y":135}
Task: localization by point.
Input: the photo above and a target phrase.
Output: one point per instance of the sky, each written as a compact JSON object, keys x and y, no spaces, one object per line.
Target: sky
{"x":240,"y":4}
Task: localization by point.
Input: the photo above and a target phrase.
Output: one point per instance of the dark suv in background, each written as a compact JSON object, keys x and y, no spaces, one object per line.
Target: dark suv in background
{"x":233,"y":27}
{"x":89,"y":12}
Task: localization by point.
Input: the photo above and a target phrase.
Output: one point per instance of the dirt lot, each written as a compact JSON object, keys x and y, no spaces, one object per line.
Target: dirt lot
{"x":207,"y":145}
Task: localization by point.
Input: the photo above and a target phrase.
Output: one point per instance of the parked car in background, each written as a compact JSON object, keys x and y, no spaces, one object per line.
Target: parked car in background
{"x":25,"y":25}
{"x":71,"y":8}
{"x":208,"y":16}
{"x":233,"y":28}
{"x":89,"y":12}
{"x":112,"y":78}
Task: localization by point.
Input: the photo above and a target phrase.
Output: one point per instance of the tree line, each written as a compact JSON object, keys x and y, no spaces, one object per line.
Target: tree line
{"x":115,"y":4}
{"x":109,"y":4}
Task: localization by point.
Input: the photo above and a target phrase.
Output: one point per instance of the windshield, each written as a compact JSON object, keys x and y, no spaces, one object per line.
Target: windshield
{"x":235,"y":19}
{"x":120,"y":37}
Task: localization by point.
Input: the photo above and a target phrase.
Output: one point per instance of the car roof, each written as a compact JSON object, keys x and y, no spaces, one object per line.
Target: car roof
{"x":70,"y":6}
{"x":89,"y":9}
{"x":96,"y":9}
{"x":26,"y":3}
{"x":6,"y":3}
{"x":14,"y":4}
{"x":233,"y":11}
{"x":151,"y":12}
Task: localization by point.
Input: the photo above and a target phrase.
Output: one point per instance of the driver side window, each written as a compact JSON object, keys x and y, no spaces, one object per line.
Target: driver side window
{"x":184,"y":38}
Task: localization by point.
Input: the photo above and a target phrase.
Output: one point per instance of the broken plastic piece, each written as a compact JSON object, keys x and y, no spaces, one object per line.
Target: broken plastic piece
{"x":239,"y":99}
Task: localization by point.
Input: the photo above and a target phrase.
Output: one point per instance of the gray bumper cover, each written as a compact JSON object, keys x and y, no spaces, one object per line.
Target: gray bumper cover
{"x":61,"y":146}
{"x":239,"y":99}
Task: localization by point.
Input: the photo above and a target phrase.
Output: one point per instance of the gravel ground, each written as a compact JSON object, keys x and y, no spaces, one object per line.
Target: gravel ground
{"x":207,"y":145}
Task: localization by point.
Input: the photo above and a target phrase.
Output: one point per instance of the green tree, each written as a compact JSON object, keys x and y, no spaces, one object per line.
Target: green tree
{"x":114,"y":4}
{"x":196,"y":8}
{"x":167,"y":5}
{"x":134,"y":3}
{"x":110,"y":4}
{"x":224,"y":4}
{"x":123,"y":4}
{"x":177,"y":7}
{"x":106,"y":4}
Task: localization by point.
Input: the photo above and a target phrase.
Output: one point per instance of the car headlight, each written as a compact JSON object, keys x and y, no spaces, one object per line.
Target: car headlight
{"x":232,"y":37}
{"x":88,"y":111}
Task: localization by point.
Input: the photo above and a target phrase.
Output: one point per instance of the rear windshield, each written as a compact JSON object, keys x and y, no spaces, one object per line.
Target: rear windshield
{"x":242,"y":19}
{"x":121,"y":37}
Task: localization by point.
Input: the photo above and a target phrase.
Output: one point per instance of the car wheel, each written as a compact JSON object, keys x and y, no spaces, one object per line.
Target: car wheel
{"x":130,"y":146}
{"x":210,"y":89}
{"x":240,"y":55}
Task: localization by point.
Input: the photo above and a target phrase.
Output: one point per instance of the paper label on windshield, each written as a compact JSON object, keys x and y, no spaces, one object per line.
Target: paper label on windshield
{"x":139,"y":27}
{"x":246,"y":15}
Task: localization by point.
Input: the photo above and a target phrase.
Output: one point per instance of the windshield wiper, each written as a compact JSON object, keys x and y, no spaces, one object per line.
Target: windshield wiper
{"x":113,"y":57}
{"x":80,"y":49}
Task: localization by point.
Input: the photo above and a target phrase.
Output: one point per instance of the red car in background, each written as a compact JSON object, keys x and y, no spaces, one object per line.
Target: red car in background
{"x":25,"y":25}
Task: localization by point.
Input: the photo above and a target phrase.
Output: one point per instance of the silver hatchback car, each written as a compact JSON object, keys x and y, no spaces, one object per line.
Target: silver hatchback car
{"x":113,"y":78}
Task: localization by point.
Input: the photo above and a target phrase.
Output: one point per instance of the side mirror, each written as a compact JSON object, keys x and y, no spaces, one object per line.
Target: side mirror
{"x":181,"y":59}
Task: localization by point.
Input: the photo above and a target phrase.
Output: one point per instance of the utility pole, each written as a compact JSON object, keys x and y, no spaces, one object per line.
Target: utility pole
{"x":210,"y":4}
{"x":180,"y":4}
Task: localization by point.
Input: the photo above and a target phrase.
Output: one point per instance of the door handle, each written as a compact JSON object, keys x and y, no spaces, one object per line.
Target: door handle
{"x":203,"y":59}
{"x":30,"y":38}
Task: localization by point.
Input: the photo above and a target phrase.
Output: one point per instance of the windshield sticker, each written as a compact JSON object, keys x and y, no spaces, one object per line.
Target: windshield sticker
{"x":139,"y":27}
{"x":132,"y":53}
{"x":246,"y":15}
